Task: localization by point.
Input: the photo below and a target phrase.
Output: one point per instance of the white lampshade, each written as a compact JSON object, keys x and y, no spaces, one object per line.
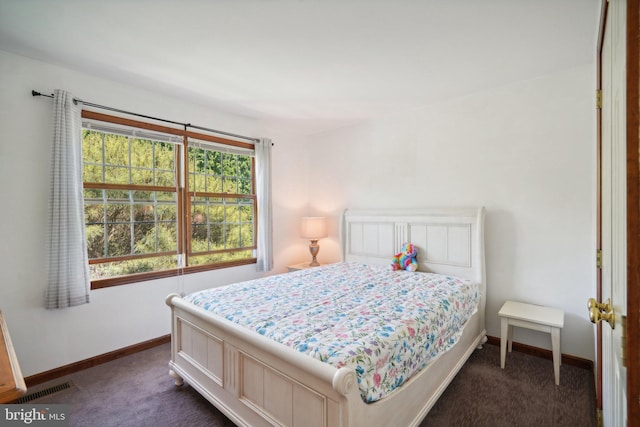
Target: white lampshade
{"x":313,"y":227}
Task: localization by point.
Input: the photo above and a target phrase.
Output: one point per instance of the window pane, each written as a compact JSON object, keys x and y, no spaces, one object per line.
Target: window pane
{"x":94,"y":213}
{"x":117,"y":212}
{"x":118,"y":195}
{"x":229,"y":166}
{"x":216,"y":213}
{"x":246,"y":235}
{"x":142,"y":176}
{"x":244,"y":186}
{"x":91,"y":146}
{"x":230,"y":186}
{"x":231,"y":213}
{"x":244,"y":167}
{"x":199,"y":241}
{"x":144,"y":213}
{"x":232,"y":236}
{"x":142,"y":153}
{"x":216,"y":237}
{"x":143,"y":196}
{"x":212,"y":162}
{"x":167,"y":212}
{"x":166,"y":196}
{"x":116,"y":175}
{"x":92,"y":173}
{"x":214,"y":184}
{"x":145,"y":237}
{"x":165,"y":179}
{"x":196,"y":160}
{"x":246,"y":213}
{"x":95,"y":241}
{"x":116,"y":150}
{"x":164,"y":156}
{"x":119,"y":239}
{"x":196,"y":183}
{"x":167,"y":238}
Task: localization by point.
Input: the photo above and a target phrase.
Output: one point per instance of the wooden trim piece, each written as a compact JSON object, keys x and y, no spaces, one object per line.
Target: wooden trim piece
{"x":222,"y":195}
{"x":222,"y":251}
{"x":127,"y":187}
{"x":132,"y":278}
{"x":567,"y":359}
{"x":207,"y":267}
{"x":633,"y":213}
{"x":93,"y":115}
{"x":130,"y":257}
{"x":12,"y":384}
{"x":211,"y":138}
{"x":95,"y":361}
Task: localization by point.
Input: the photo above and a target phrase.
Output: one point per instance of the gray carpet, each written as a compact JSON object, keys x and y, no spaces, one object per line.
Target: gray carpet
{"x":137,"y":391}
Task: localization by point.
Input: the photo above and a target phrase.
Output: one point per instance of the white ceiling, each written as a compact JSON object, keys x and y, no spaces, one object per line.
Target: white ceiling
{"x":311,"y":64}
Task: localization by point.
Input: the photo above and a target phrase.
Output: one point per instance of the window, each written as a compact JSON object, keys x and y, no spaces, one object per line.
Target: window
{"x":147,"y":211}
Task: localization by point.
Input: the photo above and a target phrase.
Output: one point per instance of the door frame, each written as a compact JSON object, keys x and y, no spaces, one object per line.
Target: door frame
{"x":632,"y":332}
{"x":633,"y":213}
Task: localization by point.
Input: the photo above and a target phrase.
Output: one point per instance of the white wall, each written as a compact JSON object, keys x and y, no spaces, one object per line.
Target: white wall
{"x":123,"y":315}
{"x":525,"y":151}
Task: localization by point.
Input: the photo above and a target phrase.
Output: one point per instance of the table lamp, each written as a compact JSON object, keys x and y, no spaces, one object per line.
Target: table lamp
{"x":314,"y":228}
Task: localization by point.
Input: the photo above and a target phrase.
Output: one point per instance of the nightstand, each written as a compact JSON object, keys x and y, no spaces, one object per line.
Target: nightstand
{"x":536,"y":317}
{"x":300,"y":266}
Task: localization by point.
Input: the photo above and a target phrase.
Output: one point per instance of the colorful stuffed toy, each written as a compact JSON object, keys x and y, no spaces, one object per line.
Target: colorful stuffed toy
{"x":406,"y":260}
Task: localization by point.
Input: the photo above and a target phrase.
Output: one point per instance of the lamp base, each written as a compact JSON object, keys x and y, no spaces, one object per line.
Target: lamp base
{"x":314,"y":248}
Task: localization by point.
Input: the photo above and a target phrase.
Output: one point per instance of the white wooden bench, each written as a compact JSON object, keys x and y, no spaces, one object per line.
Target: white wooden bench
{"x":536,"y":317}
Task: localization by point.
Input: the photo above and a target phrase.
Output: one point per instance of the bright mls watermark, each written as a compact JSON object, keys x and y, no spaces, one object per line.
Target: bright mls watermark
{"x":34,"y":415}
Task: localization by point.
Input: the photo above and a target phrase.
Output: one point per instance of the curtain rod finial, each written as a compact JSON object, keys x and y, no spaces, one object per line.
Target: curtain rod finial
{"x":36,"y":93}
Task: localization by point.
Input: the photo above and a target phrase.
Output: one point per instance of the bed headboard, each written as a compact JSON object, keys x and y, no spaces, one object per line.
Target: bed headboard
{"x":449,"y":241}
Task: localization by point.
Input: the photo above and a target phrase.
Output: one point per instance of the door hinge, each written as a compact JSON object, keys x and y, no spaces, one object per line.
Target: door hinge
{"x":599,"y":418}
{"x":599,"y":259}
{"x":599,"y":98}
{"x":623,"y":340}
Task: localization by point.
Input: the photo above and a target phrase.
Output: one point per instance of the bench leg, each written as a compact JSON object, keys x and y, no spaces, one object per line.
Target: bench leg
{"x":504,"y":327}
{"x":555,"y":348}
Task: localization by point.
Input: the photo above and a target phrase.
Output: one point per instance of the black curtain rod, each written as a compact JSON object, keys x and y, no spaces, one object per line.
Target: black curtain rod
{"x":104,"y":107}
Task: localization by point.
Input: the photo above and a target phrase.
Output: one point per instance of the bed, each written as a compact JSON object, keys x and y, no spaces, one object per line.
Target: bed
{"x":257,"y":381}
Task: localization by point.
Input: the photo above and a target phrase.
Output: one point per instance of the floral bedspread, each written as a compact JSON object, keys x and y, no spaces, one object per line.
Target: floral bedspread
{"x":386,"y":325}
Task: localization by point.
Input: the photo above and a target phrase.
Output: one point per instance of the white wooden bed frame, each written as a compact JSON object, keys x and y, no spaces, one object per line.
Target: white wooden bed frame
{"x":257,"y":382}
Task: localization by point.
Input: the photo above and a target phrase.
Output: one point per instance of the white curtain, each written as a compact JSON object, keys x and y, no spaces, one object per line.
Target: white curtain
{"x":68,"y":281}
{"x":263,"y":193}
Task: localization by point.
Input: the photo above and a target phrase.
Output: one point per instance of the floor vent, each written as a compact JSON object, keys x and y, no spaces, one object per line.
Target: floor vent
{"x":45,"y":392}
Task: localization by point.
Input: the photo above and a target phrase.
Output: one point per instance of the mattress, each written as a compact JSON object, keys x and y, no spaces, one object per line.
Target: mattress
{"x":386,"y":325}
